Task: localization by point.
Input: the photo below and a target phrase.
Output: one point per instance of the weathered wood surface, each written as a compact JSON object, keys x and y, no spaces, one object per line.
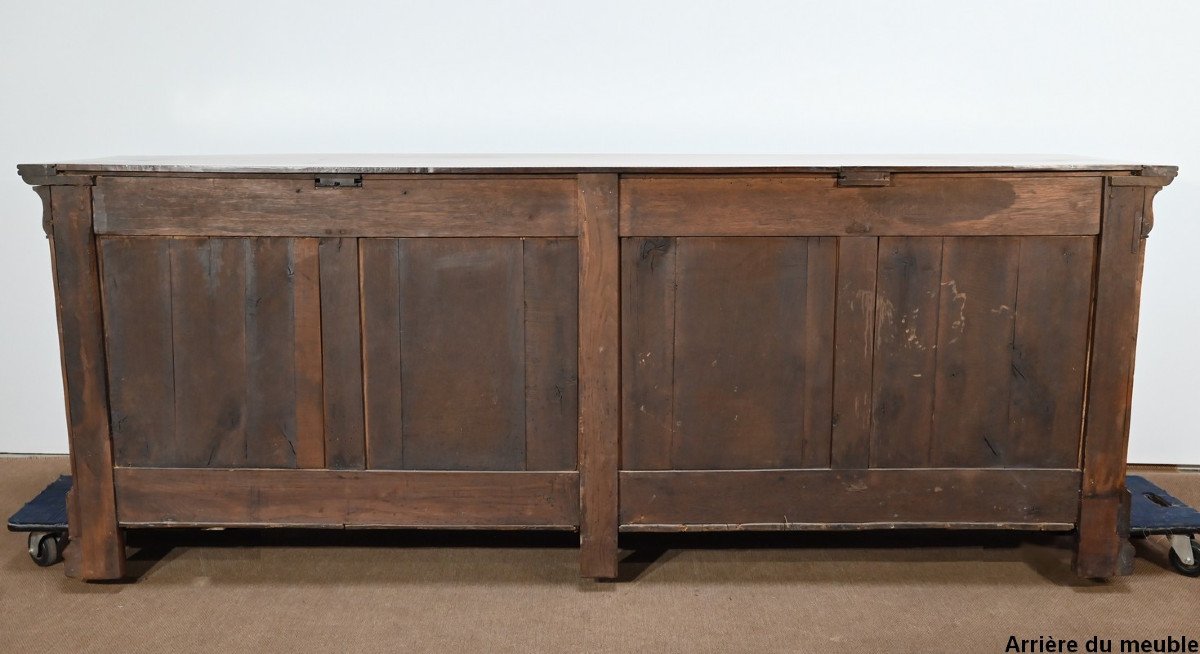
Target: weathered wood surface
{"x":294,"y":207}
{"x":881,"y":497}
{"x":853,"y":351}
{"x":341,"y":354}
{"x":181,"y":497}
{"x":100,"y":543}
{"x":913,"y":205}
{"x":1102,"y":549}
{"x":599,"y":374}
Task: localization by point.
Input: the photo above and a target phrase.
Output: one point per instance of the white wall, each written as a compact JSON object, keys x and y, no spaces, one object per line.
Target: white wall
{"x":1118,"y":80}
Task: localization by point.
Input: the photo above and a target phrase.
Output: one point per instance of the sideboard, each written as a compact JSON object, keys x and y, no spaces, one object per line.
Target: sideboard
{"x":601,"y":344}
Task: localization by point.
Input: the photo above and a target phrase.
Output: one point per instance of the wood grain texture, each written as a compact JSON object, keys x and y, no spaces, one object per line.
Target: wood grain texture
{"x":294,"y":207}
{"x":137,"y":306}
{"x":270,"y":316}
{"x":599,"y":374}
{"x":551,"y":276}
{"x":648,"y":268}
{"x":977,"y":301}
{"x":752,"y":375}
{"x":854,"y":352}
{"x":341,"y":354}
{"x":1101,"y":544}
{"x":894,"y":497}
{"x":383,"y":390}
{"x":100,"y":543}
{"x":178,"y":497}
{"x":813,"y":205}
{"x":462,"y":338}
{"x":310,"y":393}
{"x":906,"y":324}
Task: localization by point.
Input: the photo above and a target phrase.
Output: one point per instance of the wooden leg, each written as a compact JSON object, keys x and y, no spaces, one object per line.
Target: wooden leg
{"x":1103,"y":549}
{"x":599,"y":375}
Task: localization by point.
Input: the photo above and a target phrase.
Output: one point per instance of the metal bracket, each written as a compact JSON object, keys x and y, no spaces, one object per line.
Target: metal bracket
{"x":864,"y":178}
{"x":339,"y":181}
{"x":1182,"y":544}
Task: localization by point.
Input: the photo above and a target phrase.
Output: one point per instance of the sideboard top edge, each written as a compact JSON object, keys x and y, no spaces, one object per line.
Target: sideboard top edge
{"x":576,"y":163}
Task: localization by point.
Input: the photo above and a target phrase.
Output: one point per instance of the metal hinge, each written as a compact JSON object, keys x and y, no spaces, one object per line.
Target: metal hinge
{"x":864,"y":178}
{"x":338,"y":181}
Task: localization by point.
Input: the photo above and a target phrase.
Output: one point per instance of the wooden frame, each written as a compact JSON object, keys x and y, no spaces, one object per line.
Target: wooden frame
{"x":587,"y":303}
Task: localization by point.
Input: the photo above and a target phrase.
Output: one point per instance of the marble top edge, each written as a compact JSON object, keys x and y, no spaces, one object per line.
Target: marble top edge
{"x":434,"y":163}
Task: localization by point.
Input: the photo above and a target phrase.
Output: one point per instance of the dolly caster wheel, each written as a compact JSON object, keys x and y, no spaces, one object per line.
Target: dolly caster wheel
{"x":45,"y":548}
{"x":1184,"y":561}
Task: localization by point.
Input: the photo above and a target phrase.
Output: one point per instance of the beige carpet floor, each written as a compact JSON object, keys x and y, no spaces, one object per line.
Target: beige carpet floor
{"x":287,"y":591}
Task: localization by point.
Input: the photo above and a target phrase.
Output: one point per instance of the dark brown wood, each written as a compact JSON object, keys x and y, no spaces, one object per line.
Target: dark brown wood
{"x":551,"y":274}
{"x":295,"y":207}
{"x":188,"y":497}
{"x":879,"y":498}
{"x":94,"y":531}
{"x":599,"y":374}
{"x":913,"y":205}
{"x":786,"y":345}
{"x":752,"y":377}
{"x":310,"y":394}
{"x":1101,"y":543}
{"x":136,"y":297}
{"x":463,"y":347}
{"x":648,"y":269}
{"x":341,"y":354}
{"x":906,"y":334}
{"x":854,"y":352}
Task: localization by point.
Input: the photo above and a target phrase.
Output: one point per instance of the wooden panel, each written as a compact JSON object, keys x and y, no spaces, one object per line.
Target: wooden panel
{"x":294,"y":207}
{"x":1049,"y":355}
{"x":913,"y":205}
{"x":974,"y":352}
{"x":879,"y":498}
{"x":906,"y":322}
{"x":140,"y":348}
{"x":462,"y":339}
{"x":101,"y":545}
{"x":270,"y":361}
{"x":208,"y":291}
{"x":854,"y":350}
{"x":752,"y":380}
{"x":382,"y":357}
{"x":648,"y":267}
{"x":310,"y":394}
{"x":362,"y":498}
{"x":599,"y":374}
{"x":341,"y":353}
{"x":551,"y":275}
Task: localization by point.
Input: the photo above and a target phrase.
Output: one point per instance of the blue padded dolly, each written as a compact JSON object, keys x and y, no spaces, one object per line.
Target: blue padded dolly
{"x":45,"y":518}
{"x":1153,"y":511}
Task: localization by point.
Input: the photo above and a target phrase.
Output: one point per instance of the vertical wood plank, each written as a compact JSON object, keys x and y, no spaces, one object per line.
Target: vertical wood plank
{"x":740,"y":368}
{"x":1050,"y":343}
{"x":905,"y":345}
{"x":382,"y":359}
{"x":816,"y":396}
{"x":341,"y":353}
{"x":1102,"y":549}
{"x":310,"y":396}
{"x":551,"y":274}
{"x":974,"y":352}
{"x":93,"y":528}
{"x":136,"y":288}
{"x":462,"y":339}
{"x":599,"y":373}
{"x":271,"y":435}
{"x":854,"y":349}
{"x":648,"y":352}
{"x":208,"y":290}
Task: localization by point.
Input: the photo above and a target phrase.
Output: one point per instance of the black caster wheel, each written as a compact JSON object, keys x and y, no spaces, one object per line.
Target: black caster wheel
{"x":1182,"y":568}
{"x":45,"y":548}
